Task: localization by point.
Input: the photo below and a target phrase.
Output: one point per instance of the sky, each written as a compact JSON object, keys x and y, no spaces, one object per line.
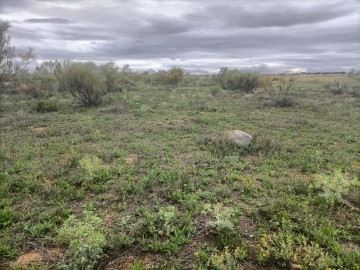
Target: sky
{"x":198,"y":35}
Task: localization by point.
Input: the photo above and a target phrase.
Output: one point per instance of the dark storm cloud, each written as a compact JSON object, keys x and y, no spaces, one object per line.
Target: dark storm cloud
{"x":204,"y":34}
{"x":48,"y":20}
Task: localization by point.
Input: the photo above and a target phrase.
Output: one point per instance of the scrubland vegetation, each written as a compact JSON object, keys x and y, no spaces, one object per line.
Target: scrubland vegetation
{"x":103,"y":168}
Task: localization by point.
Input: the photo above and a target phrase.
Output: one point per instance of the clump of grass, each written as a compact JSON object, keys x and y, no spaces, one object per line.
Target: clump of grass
{"x":279,"y":91}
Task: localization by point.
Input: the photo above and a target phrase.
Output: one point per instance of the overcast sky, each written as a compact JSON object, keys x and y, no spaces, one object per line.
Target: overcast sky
{"x":198,"y":35}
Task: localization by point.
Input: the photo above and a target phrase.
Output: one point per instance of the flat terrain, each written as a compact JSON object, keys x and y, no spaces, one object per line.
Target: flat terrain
{"x":146,"y":181}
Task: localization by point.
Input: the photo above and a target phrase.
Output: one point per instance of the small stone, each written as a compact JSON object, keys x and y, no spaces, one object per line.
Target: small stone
{"x":238,"y":137}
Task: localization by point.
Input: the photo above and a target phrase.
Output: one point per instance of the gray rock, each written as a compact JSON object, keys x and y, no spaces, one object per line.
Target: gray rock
{"x":238,"y":137}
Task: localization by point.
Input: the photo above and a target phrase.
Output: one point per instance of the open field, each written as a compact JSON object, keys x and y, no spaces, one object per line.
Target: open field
{"x":146,"y":181}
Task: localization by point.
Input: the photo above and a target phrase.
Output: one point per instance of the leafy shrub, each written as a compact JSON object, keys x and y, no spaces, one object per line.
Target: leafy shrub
{"x":126,"y":79}
{"x":42,"y":84}
{"x":85,"y":239}
{"x":126,"y":82}
{"x":115,"y":81}
{"x":333,"y":187}
{"x":279,"y":90}
{"x":337,"y":87}
{"x":238,"y":80}
{"x":45,"y":105}
{"x":87,"y":82}
{"x":171,"y":78}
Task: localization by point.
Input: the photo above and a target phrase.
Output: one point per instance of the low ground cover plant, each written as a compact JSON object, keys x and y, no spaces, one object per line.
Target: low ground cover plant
{"x":85,"y":239}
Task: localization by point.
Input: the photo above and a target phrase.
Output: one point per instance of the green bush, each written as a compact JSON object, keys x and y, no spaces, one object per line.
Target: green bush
{"x":42,"y":84}
{"x":171,"y":78}
{"x":45,"y":105}
{"x":85,"y":239}
{"x":115,"y":81}
{"x":238,"y":80}
{"x":87,"y":82}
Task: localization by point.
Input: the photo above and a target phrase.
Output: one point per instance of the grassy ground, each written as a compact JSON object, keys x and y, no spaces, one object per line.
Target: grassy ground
{"x":146,"y":181}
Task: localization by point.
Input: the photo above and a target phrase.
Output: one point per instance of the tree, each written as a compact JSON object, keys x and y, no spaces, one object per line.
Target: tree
{"x":9,"y":66}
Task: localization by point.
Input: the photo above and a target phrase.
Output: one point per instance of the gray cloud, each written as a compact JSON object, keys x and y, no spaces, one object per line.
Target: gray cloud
{"x":199,"y":35}
{"x":48,"y":20}
{"x":266,"y":15}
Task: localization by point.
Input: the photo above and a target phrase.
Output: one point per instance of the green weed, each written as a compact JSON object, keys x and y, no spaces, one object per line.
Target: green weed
{"x":85,"y":239}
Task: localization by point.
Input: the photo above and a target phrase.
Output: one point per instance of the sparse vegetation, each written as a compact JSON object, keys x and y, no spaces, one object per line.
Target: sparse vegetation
{"x":148,"y":181}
